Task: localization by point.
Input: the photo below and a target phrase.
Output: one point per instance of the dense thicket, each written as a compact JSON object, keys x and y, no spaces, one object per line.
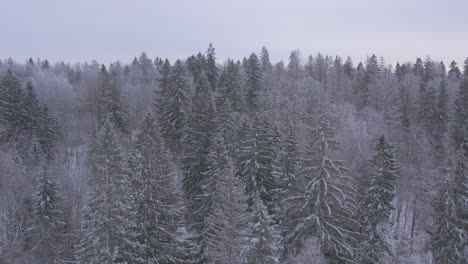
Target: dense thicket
{"x":317,"y":159}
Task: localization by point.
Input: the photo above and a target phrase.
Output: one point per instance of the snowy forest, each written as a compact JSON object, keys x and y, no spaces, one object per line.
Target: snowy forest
{"x":315,"y":159}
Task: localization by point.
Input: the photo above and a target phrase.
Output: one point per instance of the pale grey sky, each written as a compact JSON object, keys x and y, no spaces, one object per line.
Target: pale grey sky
{"x":107,"y":30}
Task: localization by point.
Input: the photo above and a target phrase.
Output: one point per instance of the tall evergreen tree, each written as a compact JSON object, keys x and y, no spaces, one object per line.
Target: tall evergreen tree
{"x":255,"y":161}
{"x":264,"y":245}
{"x":265,"y":60}
{"x":211,"y":70}
{"x":287,"y":177}
{"x":104,"y":236}
{"x":230,"y":88}
{"x":111,"y":105}
{"x":48,"y":217}
{"x":174,"y":105}
{"x":47,"y":132}
{"x":441,"y":131}
{"x":253,"y":83}
{"x":195,"y":159}
{"x":224,"y":203}
{"x":325,"y":209}
{"x":11,"y":105}
{"x":460,"y":115}
{"x":450,"y":232}
{"x":377,"y":205}
{"x":155,"y":204}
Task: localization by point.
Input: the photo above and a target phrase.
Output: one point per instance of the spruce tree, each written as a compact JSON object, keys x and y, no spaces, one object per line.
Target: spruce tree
{"x":460,"y":115}
{"x":11,"y":106}
{"x":48,"y":225}
{"x":195,"y":156}
{"x":104,"y":235}
{"x":211,"y":70}
{"x":162,"y":96}
{"x":325,"y":209}
{"x":47,"y":132}
{"x":253,"y":83}
{"x":230,"y":88}
{"x":225,"y":227}
{"x":450,"y":233}
{"x":254,"y":164}
{"x":265,"y":61}
{"x":155,"y":202}
{"x":377,"y":205}
{"x":441,"y":130}
{"x":173,"y":115}
{"x":111,"y":105}
{"x":32,"y":108}
{"x":287,"y":177}
{"x":264,"y":245}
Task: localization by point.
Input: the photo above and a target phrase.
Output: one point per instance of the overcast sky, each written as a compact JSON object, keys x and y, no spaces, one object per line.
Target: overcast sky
{"x":107,"y":30}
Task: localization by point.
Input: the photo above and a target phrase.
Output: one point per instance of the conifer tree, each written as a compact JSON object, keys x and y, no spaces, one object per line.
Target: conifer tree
{"x":377,"y":204}
{"x":460,"y":115}
{"x":162,"y":96}
{"x":287,"y":177}
{"x":48,"y":217}
{"x":326,"y":207}
{"x":264,"y":245}
{"x":450,"y":232}
{"x":253,"y":83}
{"x":223,"y":203}
{"x":255,"y":160}
{"x":47,"y":132}
{"x":155,"y":202}
{"x":265,"y":61}
{"x":32,"y":108}
{"x":230,"y":88}
{"x":111,"y":105}
{"x":441,"y":131}
{"x":454,"y":71}
{"x":197,"y":142}
{"x":104,"y":236}
{"x":211,"y":70}
{"x":11,"y":105}
{"x":174,"y":104}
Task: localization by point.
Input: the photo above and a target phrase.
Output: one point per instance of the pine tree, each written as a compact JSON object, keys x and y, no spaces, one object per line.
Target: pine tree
{"x":155,"y":202}
{"x":450,"y":232}
{"x":325,"y":209}
{"x":253,"y":83}
{"x":48,"y":224}
{"x":377,"y":205}
{"x":111,"y":105}
{"x":173,"y":113}
{"x":104,"y":236}
{"x":211,"y":70}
